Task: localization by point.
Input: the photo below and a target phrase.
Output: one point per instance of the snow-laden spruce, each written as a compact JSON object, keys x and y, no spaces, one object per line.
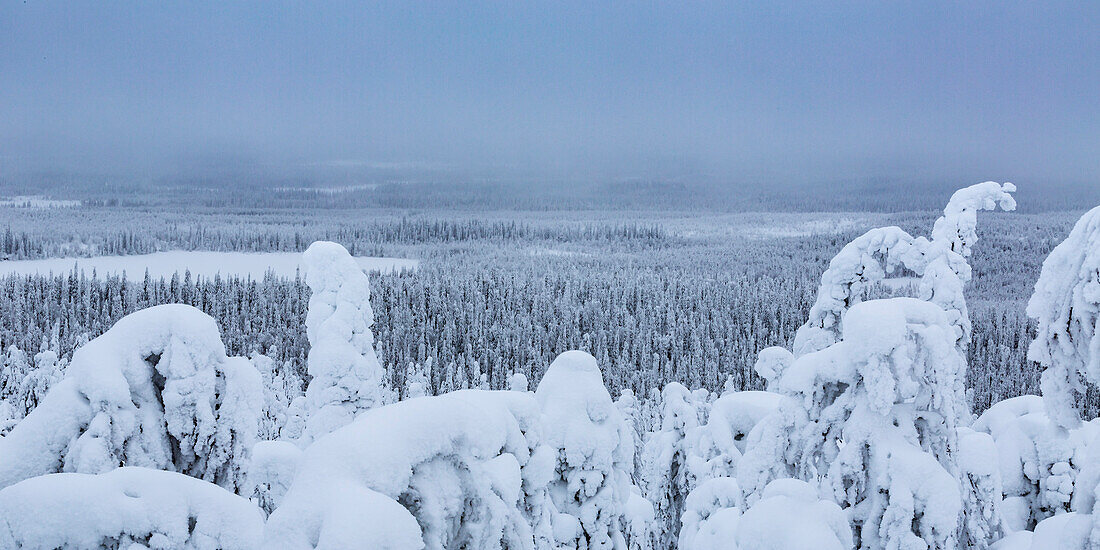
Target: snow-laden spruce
{"x":1039,"y":462}
{"x":127,"y":508}
{"x":1066,"y":305}
{"x":592,"y":454}
{"x":346,"y":377}
{"x":715,"y":448}
{"x":156,"y":391}
{"x":665,"y":478}
{"x":25,"y":383}
{"x":872,"y":420}
{"x":940,"y":262}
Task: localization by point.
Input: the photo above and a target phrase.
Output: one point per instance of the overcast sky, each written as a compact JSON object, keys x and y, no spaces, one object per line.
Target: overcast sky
{"x":580,"y":90}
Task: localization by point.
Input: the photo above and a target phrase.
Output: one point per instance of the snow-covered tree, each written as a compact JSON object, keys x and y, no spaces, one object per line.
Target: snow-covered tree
{"x":13,"y":404}
{"x":27,"y":385}
{"x":889,"y":401}
{"x":1066,"y":305}
{"x":279,"y":391}
{"x":1038,"y":461}
{"x":872,"y":419}
{"x":665,"y":477}
{"x":590,"y":484}
{"x":126,"y":508}
{"x":518,"y":382}
{"x":711,"y":507}
{"x":416,"y":381}
{"x":157,"y":391}
{"x":940,"y":262}
{"x":271,"y":470}
{"x":982,"y":489}
{"x":347,"y":378}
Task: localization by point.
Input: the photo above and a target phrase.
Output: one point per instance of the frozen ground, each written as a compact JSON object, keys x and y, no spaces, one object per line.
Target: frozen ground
{"x":207,"y":264}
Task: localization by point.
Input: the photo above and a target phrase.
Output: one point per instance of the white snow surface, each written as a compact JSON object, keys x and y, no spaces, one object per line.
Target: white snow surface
{"x":37,"y":201}
{"x":789,"y":516}
{"x":204,"y":263}
{"x":126,"y":508}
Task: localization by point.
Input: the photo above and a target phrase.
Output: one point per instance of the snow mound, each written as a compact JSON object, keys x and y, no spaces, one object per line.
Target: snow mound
{"x":157,"y":391}
{"x":425,"y":472}
{"x":126,"y":508}
{"x":789,"y":516}
{"x":715,"y":499}
{"x":715,"y":448}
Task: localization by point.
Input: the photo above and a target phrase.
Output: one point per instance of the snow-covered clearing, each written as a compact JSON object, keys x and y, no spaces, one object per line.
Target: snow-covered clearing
{"x":206,"y":264}
{"x":36,"y":201}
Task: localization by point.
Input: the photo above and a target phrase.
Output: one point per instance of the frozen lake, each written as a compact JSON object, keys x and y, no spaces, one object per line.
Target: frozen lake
{"x":206,"y":264}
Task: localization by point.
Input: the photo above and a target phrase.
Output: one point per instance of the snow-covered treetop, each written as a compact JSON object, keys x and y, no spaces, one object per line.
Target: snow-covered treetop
{"x":430,"y":472}
{"x":894,"y":348}
{"x":957,"y":228}
{"x":941,"y":263}
{"x":594,"y":450}
{"x":573,"y":396}
{"x":346,"y":375}
{"x":340,"y":302}
{"x":1066,"y":304}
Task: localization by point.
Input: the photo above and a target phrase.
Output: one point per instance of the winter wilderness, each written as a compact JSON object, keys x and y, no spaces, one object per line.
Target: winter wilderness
{"x":549,"y":275}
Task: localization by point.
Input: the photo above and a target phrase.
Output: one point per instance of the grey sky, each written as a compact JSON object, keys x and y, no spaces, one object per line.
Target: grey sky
{"x":580,"y":90}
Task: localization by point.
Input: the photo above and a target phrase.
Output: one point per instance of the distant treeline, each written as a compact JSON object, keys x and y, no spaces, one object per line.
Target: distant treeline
{"x":251,"y":191}
{"x":365,"y":238}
